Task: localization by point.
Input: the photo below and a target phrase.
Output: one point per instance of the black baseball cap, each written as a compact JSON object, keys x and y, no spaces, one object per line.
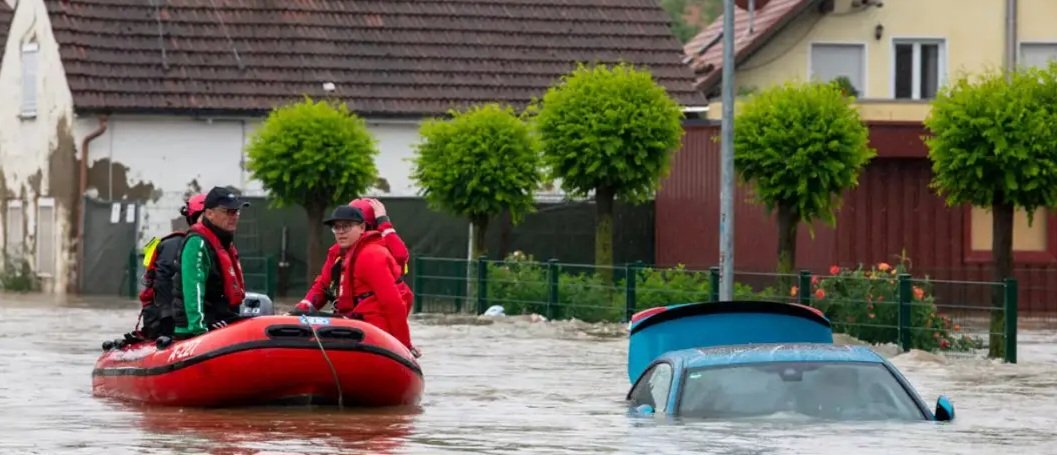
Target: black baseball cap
{"x":223,"y":197}
{"x":344,"y":213}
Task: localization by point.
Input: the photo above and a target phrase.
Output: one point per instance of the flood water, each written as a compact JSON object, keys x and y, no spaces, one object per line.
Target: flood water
{"x":512,"y":386}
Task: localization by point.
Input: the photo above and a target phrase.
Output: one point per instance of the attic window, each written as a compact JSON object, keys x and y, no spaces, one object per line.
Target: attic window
{"x":29,"y":79}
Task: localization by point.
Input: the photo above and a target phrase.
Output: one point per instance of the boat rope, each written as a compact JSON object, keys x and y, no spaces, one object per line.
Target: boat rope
{"x":333,"y":371}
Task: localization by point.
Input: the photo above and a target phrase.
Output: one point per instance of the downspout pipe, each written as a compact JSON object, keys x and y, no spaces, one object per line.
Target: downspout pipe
{"x":82,"y":186}
{"x":1011,"y":38}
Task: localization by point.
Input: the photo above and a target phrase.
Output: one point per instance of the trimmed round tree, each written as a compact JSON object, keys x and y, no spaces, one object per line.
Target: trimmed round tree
{"x":994,"y":145}
{"x":611,"y":130}
{"x":315,"y":154}
{"x":480,"y":162}
{"x":800,"y":145}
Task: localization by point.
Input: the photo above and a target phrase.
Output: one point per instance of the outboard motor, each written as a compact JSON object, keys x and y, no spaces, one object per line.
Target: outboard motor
{"x":256,"y":305}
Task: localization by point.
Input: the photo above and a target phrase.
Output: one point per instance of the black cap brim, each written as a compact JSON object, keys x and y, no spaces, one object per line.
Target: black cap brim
{"x":236,"y":204}
{"x":330,"y":221}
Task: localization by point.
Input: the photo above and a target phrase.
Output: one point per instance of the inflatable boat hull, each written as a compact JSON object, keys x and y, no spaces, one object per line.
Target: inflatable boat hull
{"x":266,"y":360}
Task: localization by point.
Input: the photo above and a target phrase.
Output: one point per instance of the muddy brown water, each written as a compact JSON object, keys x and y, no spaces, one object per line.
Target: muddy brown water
{"x":510,"y":385}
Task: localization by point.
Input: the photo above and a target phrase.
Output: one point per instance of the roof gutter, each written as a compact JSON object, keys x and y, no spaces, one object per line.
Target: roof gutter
{"x":82,"y":183}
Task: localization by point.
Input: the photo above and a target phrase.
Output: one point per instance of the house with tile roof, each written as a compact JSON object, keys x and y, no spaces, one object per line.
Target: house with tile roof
{"x":897,"y":54}
{"x":145,"y":100}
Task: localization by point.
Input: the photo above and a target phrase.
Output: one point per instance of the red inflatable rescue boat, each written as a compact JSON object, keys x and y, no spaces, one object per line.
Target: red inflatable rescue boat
{"x":266,"y":360}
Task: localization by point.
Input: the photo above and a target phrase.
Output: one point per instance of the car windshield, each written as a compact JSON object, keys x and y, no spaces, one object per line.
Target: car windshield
{"x":825,"y":390}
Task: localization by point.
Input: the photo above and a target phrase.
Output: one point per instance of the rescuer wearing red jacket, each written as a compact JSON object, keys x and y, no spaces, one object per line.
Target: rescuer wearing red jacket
{"x":375,"y":216}
{"x":369,"y":289}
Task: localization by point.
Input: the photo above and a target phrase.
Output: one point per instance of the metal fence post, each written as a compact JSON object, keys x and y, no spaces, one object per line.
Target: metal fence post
{"x":270,"y":274}
{"x":713,"y":283}
{"x":905,"y":295}
{"x":1011,"y":319}
{"x":631,"y":275}
{"x":482,"y":284}
{"x":552,"y":294}
{"x":132,"y":269}
{"x":462,"y":267}
{"x":416,"y":270}
{"x":804,"y":293}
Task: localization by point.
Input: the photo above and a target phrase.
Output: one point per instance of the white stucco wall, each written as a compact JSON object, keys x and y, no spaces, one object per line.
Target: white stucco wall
{"x":28,"y":143}
{"x":171,"y":154}
{"x":396,"y":141}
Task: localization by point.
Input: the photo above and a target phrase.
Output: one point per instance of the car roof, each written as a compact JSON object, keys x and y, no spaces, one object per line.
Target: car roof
{"x":774,"y":352}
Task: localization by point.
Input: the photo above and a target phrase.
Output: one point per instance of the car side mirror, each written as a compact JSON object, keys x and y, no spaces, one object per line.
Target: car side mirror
{"x":644,"y":409}
{"x":944,"y":409}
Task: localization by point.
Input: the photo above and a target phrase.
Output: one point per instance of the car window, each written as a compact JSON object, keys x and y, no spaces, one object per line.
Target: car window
{"x":654,"y":387}
{"x":827,"y":390}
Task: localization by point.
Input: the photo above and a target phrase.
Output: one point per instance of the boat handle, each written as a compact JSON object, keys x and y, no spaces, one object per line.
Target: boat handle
{"x":341,"y":333}
{"x":288,"y":331}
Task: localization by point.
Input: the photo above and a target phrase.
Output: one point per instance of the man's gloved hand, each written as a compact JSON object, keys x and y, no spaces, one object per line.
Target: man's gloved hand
{"x":305,"y":307}
{"x":218,"y":325}
{"x":415,"y":352}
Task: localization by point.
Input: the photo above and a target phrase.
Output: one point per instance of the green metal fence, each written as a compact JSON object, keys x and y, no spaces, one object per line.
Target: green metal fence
{"x":882,"y":304}
{"x":259,"y":272}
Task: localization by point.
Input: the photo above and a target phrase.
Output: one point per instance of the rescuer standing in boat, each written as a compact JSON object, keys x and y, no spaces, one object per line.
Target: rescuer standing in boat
{"x":361,"y":277}
{"x":208,"y":286}
{"x":376,"y":219}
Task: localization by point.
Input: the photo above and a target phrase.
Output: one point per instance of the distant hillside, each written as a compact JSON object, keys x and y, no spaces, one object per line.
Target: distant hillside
{"x":691,"y":16}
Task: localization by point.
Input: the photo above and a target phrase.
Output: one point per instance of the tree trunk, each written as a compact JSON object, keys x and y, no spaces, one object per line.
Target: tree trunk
{"x":480,"y":229}
{"x":1002,"y":254}
{"x":604,"y":231}
{"x":316,"y":250}
{"x":788,"y":221}
{"x":506,"y":226}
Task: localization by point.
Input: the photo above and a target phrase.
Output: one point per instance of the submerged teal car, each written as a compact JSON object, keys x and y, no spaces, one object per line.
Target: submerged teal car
{"x":729,"y":360}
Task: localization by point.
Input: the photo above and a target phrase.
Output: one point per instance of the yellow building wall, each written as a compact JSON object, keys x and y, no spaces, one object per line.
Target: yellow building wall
{"x":973,"y":30}
{"x":1037,"y":20}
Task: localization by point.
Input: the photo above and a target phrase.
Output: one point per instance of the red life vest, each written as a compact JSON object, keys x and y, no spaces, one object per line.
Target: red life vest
{"x":229,"y":267}
{"x":348,"y":298}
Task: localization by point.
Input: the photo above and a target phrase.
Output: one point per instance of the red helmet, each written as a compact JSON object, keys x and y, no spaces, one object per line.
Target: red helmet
{"x":196,"y":203}
{"x":366,"y":209}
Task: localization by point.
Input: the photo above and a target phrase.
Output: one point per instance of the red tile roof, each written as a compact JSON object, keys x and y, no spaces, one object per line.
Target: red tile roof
{"x":705,"y":51}
{"x":385,"y":57}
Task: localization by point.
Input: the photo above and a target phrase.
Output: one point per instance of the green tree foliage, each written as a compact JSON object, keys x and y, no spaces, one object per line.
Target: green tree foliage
{"x":845,"y":86}
{"x":612,"y":130}
{"x":477,"y":164}
{"x":994,"y":145}
{"x":801,"y":145}
{"x":689,"y":17}
{"x":315,"y":154}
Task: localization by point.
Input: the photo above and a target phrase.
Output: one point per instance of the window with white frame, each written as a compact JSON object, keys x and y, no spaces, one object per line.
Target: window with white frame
{"x":29,"y":79}
{"x":1037,"y":54}
{"x":46,"y":236}
{"x":919,"y":68}
{"x":830,"y":61}
{"x":13,"y":229}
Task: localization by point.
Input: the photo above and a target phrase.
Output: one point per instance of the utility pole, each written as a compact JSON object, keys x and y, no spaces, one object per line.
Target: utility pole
{"x":726,"y":192}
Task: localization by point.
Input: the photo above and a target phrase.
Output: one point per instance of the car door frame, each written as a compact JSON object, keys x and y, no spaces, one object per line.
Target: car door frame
{"x":675,"y":371}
